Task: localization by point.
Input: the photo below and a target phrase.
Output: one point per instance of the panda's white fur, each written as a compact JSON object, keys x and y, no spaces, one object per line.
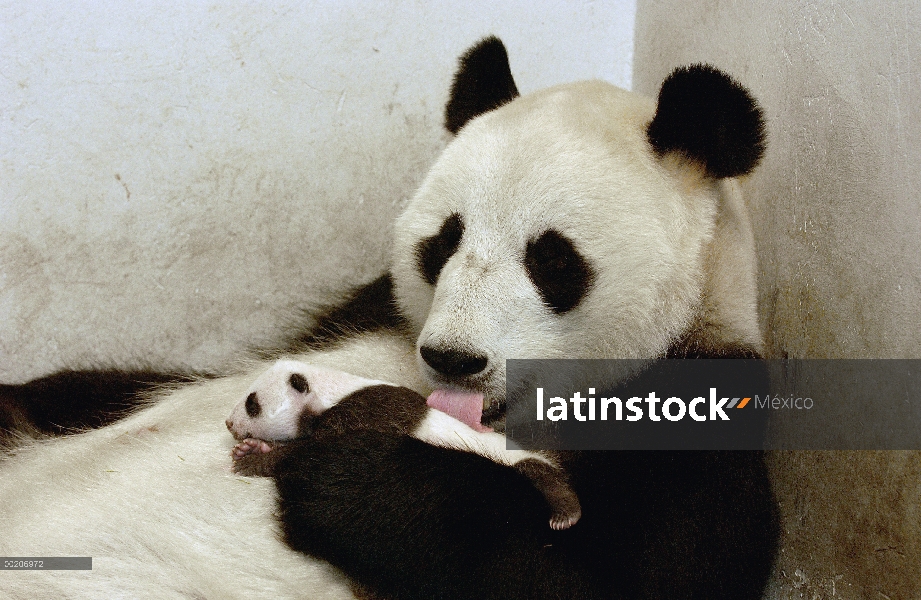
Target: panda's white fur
{"x":152,"y":498}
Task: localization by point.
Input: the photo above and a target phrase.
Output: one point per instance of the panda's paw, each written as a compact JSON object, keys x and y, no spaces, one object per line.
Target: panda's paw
{"x":254,"y":458}
{"x":564,"y":520}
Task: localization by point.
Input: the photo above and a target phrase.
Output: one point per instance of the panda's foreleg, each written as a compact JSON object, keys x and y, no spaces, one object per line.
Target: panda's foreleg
{"x":416,"y":521}
{"x":70,"y":401}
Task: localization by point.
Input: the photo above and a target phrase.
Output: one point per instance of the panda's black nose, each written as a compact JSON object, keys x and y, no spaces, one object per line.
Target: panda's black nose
{"x":453,"y":363}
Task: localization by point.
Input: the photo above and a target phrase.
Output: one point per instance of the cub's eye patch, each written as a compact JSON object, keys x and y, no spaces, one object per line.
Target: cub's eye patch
{"x":299,"y":383}
{"x":253,"y":408}
{"x":560,"y":274}
{"x":433,"y":252}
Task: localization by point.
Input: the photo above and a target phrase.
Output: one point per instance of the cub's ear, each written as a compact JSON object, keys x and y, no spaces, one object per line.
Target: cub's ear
{"x":483,"y":82}
{"x":711,"y":119}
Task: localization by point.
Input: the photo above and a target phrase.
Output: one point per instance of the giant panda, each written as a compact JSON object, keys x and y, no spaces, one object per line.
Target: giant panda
{"x":578,"y":221}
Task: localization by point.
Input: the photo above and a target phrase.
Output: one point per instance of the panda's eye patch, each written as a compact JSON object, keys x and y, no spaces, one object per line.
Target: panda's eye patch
{"x":253,"y":408}
{"x":433,"y":252}
{"x":558,"y":271}
{"x":299,"y":383}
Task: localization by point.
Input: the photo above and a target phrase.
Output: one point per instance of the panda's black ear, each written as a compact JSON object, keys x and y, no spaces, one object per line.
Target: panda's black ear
{"x":483,"y":82}
{"x":710,"y":118}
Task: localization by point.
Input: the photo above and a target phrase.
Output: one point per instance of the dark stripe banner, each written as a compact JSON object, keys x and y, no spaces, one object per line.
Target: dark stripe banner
{"x":727,"y":404}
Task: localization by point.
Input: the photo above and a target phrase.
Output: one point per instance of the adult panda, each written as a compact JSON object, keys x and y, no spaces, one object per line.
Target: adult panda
{"x":579,"y":221}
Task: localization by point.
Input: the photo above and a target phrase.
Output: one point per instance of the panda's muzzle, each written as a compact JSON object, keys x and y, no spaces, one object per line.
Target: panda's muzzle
{"x":462,"y":369}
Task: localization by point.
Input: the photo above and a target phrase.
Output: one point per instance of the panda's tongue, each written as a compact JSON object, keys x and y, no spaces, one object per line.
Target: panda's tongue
{"x":466,"y":407}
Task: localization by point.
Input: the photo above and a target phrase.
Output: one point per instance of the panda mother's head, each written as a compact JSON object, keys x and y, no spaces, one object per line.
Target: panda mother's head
{"x":572,"y":222}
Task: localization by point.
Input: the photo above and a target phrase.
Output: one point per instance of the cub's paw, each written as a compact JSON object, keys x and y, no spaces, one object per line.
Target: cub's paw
{"x":254,"y":457}
{"x":250,"y":446}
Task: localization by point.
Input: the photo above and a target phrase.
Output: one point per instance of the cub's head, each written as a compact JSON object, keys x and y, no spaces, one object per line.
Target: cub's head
{"x":578,"y":221}
{"x":276,"y":406}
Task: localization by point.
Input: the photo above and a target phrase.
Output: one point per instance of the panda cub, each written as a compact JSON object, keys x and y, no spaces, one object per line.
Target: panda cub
{"x":294,"y":400}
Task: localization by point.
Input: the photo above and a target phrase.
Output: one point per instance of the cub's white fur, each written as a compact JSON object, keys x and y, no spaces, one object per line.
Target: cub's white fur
{"x":281,"y":405}
{"x":152,"y":499}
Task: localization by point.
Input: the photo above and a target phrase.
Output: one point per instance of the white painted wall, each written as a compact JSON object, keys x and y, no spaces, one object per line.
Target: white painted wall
{"x":176,"y":179}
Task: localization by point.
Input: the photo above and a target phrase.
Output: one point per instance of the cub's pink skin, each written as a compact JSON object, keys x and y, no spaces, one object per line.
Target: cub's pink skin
{"x":250,"y":446}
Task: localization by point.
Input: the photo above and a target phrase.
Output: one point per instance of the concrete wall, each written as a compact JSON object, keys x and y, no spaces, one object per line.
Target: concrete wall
{"x":837,"y":216}
{"x":178,"y":179}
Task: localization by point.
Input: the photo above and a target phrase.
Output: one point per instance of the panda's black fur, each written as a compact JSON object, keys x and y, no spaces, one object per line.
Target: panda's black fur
{"x":482,"y":83}
{"x":409,"y":520}
{"x":654,"y":525}
{"x":712,"y":119}
{"x":70,"y":401}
